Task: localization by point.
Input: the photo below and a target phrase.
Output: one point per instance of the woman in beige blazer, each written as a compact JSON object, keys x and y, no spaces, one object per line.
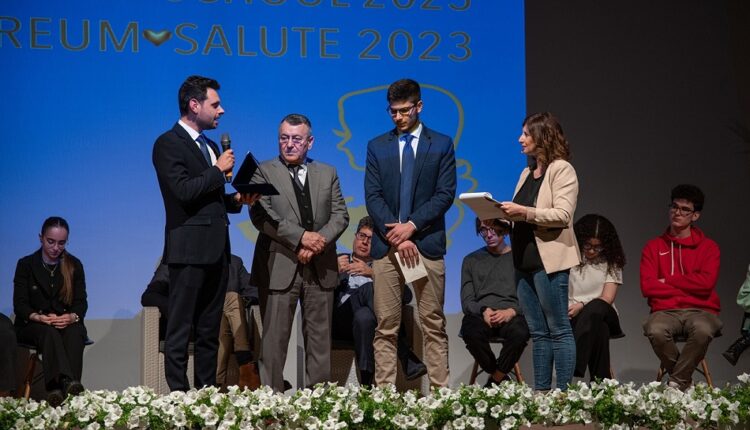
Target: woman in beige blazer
{"x":545,"y":247}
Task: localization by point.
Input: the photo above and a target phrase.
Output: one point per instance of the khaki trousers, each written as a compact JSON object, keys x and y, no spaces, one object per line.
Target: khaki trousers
{"x":388,"y":285}
{"x":233,"y":334}
{"x":697,"y":325}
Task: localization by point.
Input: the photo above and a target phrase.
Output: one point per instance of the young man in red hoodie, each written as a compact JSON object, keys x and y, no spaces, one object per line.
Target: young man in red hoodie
{"x":679,"y":270}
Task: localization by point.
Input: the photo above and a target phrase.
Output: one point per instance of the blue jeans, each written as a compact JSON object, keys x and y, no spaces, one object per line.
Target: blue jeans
{"x":544,"y":300}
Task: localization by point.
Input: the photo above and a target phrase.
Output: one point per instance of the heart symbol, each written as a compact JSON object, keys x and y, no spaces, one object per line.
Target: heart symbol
{"x":157,"y":37}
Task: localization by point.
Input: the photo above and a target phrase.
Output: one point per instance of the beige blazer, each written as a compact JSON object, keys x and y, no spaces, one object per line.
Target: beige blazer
{"x":553,"y":216}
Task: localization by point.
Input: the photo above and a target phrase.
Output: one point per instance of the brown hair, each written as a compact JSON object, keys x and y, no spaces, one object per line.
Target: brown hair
{"x":66,"y":264}
{"x":549,"y":138}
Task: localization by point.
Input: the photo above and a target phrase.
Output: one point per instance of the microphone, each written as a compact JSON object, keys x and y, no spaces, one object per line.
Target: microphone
{"x":226,"y":142}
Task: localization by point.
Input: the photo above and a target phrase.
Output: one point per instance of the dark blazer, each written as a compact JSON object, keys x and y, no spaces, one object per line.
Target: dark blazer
{"x":278,"y":220}
{"x":433,"y":189}
{"x":33,"y":292}
{"x":194,"y":200}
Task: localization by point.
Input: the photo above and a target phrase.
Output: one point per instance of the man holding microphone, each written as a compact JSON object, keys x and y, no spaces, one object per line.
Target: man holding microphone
{"x":191,"y":176}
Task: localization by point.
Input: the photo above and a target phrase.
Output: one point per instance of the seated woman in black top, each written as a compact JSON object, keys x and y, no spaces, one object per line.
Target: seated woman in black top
{"x":49,"y":300}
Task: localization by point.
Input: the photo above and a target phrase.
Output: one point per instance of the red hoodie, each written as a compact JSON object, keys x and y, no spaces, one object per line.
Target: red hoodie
{"x":689,"y":267}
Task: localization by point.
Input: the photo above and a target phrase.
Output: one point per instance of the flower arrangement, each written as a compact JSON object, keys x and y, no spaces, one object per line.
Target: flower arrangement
{"x":607,"y":404}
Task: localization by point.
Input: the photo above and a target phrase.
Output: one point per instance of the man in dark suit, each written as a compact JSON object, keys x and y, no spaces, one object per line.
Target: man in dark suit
{"x":295,"y":255}
{"x":354,"y":312}
{"x":196,"y":236}
{"x":410,"y":183}
{"x":234,"y":336}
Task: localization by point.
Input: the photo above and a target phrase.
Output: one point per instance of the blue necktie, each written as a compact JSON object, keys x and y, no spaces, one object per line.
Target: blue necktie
{"x":204,"y":148}
{"x":407,"y":174}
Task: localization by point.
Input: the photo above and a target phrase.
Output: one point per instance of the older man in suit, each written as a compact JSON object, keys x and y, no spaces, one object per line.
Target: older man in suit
{"x":410,"y":183}
{"x":196,"y":238}
{"x":295,"y":256}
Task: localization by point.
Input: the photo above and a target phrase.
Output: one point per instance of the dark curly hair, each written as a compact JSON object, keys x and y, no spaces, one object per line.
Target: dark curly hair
{"x":595,"y":226}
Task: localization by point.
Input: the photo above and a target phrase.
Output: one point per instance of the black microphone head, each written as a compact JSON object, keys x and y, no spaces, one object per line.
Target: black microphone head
{"x":225,"y":141}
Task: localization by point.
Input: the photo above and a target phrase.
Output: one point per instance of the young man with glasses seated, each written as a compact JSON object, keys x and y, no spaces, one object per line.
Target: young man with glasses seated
{"x":679,"y":270}
{"x":490,"y":304}
{"x":353,"y":311}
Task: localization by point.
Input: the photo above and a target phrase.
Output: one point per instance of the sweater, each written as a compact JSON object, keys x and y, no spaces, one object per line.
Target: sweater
{"x":488,"y":280}
{"x":689,"y":267}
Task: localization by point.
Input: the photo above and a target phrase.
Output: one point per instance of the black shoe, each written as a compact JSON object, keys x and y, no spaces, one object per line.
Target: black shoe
{"x":416,"y":370}
{"x":732,"y":354}
{"x":287,"y":385}
{"x":55,"y":398}
{"x":70,"y":387}
{"x":412,"y":366}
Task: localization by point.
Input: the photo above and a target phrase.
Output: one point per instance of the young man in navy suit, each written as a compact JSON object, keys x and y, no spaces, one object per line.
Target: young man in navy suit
{"x":410,"y":183}
{"x":196,"y":236}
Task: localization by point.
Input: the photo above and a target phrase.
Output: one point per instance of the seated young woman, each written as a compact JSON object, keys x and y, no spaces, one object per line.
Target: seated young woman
{"x":591,"y":295}
{"x":49,"y":300}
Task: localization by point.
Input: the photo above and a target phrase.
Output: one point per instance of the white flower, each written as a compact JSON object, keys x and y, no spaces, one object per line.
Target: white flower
{"x":312,"y":423}
{"x":508,"y":423}
{"x":481,"y":406}
{"x":744,"y":378}
{"x":475,"y":422}
{"x":357,"y":416}
{"x":303,"y":403}
{"x":378,"y":414}
{"x":458,"y":424}
{"x":457,"y":408}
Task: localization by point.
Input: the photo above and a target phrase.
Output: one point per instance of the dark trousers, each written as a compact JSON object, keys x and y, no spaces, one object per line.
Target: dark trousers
{"x":61,"y":349}
{"x":7,"y":354}
{"x":196,"y":298}
{"x":477,"y":334}
{"x":355,"y":321}
{"x":592,"y":329}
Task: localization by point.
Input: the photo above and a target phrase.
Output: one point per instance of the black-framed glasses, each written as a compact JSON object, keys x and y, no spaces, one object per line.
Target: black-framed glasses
{"x":590,"y":247}
{"x":681,"y":210}
{"x":404,"y":111}
{"x":484,"y":231}
{"x":296,"y":139}
{"x":363,"y":237}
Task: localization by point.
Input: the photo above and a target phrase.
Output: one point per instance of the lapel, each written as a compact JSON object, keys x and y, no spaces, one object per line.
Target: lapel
{"x":393,"y":168}
{"x":423,"y":148}
{"x":41,"y":275}
{"x":191,"y":145}
{"x":312,"y":183}
{"x":282,"y":181}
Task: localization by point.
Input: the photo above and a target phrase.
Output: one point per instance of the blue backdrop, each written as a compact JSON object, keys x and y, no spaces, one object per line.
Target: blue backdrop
{"x":89,"y":85}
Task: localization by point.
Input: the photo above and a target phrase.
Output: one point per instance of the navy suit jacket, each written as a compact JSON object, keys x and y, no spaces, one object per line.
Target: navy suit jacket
{"x":433,"y":189}
{"x":196,"y":207}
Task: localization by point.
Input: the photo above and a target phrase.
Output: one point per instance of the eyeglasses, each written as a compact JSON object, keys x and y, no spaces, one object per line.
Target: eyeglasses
{"x":404,"y":111}
{"x":590,"y":247}
{"x":296,"y":139}
{"x":681,"y":210}
{"x":484,"y":231}
{"x":363,"y":237}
